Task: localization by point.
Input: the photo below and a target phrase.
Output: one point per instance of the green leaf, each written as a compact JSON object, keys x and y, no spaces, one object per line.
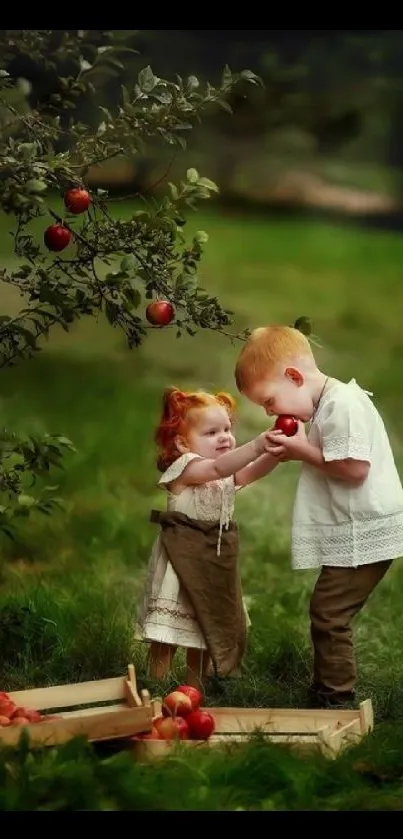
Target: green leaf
{"x":163,"y":96}
{"x":225,"y":106}
{"x":174,"y":191}
{"x":129,"y":263}
{"x":146,"y":79}
{"x":251,"y":77}
{"x":26,"y":501}
{"x":35,"y":185}
{"x":226,"y":77}
{"x":192,"y":176}
{"x":207,"y":184}
{"x":193,"y":83}
{"x":132,"y":296}
{"x":27,"y":150}
{"x":304,"y":325}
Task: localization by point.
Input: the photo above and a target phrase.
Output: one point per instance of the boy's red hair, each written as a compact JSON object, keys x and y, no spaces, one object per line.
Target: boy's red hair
{"x":177,"y":415}
{"x":267,"y":347}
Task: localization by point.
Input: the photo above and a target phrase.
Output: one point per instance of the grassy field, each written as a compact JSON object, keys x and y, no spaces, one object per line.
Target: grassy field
{"x":69,"y":586}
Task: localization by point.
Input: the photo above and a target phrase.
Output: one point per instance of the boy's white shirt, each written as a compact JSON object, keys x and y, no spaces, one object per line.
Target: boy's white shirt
{"x":335,"y":523}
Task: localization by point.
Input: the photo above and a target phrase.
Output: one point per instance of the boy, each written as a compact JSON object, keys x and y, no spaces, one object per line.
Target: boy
{"x":348,"y":511}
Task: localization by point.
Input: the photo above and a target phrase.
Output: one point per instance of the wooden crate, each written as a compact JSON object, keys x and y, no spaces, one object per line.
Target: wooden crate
{"x":122,"y":714}
{"x":328,"y":731}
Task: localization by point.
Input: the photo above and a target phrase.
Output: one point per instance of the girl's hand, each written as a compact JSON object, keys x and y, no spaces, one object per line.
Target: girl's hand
{"x":287,"y":448}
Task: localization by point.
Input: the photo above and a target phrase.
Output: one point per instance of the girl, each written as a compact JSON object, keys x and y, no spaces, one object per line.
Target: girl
{"x":193,"y":595}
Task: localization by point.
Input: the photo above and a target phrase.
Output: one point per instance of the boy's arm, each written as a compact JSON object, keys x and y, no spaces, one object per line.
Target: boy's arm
{"x":345,"y":452}
{"x":348,"y":469}
{"x":258,"y":469}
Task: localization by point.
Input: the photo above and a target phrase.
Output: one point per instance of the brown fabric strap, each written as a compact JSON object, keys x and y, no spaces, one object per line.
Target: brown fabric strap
{"x":212,"y":583}
{"x":170,"y":519}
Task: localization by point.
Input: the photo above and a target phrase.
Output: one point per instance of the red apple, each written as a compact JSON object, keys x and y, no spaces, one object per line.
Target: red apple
{"x":160,"y":313}
{"x":19,"y":712}
{"x":195,"y":696}
{"x":201,"y":725}
{"x":57,"y":237}
{"x":172,"y":728}
{"x":149,"y":735}
{"x":7,"y":708}
{"x":176,"y":704}
{"x":4,"y":695}
{"x":286,"y":424}
{"x":77,"y":200}
{"x":4,"y":721}
{"x":32,"y":716}
{"x":19,"y":721}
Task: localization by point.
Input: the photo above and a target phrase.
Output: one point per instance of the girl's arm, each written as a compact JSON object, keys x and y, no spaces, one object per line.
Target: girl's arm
{"x":262,"y":466}
{"x":202,"y":470}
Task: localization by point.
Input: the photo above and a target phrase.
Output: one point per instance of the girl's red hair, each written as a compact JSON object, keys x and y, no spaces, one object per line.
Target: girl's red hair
{"x":176,"y":419}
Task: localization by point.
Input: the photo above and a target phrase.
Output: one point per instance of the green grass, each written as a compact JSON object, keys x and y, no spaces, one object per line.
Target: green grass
{"x":69,"y":585}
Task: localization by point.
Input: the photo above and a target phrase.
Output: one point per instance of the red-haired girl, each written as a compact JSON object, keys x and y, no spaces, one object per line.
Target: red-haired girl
{"x":193,"y":594}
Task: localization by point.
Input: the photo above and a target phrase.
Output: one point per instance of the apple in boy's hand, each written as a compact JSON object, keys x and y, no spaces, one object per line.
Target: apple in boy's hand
{"x":288,"y":425}
{"x":176,"y":704}
{"x":195,"y":696}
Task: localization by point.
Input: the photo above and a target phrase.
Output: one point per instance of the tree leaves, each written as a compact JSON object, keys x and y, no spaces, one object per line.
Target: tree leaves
{"x":112,"y":265}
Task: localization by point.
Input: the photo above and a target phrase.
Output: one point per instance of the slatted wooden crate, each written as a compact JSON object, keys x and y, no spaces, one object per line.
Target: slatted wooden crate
{"x":122,"y":712}
{"x":328,"y":731}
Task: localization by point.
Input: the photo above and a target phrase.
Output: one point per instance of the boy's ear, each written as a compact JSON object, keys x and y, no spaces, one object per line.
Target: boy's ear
{"x":180,"y":444}
{"x":294,"y":375}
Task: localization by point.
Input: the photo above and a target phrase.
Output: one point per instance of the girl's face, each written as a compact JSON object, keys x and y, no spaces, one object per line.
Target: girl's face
{"x":210,"y":433}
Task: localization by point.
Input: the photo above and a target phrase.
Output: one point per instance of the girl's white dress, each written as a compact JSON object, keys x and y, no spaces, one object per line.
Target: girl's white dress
{"x":166,"y":614}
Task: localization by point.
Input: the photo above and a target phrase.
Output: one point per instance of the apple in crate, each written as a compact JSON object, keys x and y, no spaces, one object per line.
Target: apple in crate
{"x":195,"y":696}
{"x":201,"y":725}
{"x":28,"y":714}
{"x":7,"y":708}
{"x":19,"y":721}
{"x":148,"y":735}
{"x":176,"y":704}
{"x":172,"y":728}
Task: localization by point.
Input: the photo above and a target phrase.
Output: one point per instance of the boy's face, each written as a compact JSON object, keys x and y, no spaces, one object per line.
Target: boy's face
{"x":284,"y":393}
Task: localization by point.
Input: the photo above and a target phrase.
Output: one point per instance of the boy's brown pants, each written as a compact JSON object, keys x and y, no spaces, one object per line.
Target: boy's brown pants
{"x":339,"y":594}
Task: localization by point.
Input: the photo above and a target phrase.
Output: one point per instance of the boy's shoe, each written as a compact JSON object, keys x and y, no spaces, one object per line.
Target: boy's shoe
{"x":331,"y":699}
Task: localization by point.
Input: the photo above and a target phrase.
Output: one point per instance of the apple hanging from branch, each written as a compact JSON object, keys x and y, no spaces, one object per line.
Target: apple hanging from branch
{"x":77,"y":200}
{"x":160,"y":313}
{"x":57,"y":237}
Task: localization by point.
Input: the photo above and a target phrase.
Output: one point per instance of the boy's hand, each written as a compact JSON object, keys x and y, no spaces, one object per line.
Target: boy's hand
{"x":287,"y":448}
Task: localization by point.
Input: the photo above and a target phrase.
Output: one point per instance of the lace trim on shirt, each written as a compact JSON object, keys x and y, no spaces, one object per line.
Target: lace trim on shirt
{"x":341,"y":448}
{"x":364,"y":541}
